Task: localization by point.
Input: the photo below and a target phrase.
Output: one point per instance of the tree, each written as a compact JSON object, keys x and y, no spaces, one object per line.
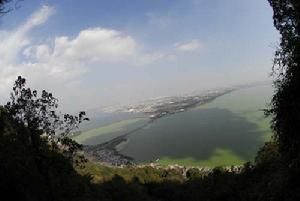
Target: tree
{"x":39,"y":115}
{"x":285,"y":106}
{"x":36,"y":155}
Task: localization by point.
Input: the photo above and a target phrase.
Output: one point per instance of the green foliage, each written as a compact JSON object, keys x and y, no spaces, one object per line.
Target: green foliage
{"x":268,"y":154}
{"x":38,"y":114}
{"x":101,"y":173}
{"x":285,"y":105}
{"x":286,"y":101}
{"x":193,"y":173}
{"x":36,"y":155}
{"x":28,"y":174}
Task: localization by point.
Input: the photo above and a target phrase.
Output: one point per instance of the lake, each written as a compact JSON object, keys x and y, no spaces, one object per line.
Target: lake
{"x":227,"y":131}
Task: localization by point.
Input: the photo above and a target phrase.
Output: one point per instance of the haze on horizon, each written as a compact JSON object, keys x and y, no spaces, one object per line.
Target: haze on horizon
{"x":110,"y":52}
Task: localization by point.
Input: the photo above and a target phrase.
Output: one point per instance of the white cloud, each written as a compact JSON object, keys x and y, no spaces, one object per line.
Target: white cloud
{"x":91,"y":47}
{"x":64,"y":59}
{"x":13,"y":42}
{"x":191,"y":46}
{"x":96,"y":44}
{"x":38,"y":18}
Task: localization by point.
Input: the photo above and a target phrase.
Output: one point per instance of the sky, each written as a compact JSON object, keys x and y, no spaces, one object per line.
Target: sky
{"x":98,"y":53}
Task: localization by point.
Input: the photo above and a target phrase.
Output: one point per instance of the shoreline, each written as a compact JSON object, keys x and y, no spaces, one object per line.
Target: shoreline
{"x":106,"y":153}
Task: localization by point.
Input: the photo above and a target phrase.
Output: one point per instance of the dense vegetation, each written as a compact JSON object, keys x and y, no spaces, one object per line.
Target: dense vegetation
{"x":286,"y":101}
{"x":39,"y":162}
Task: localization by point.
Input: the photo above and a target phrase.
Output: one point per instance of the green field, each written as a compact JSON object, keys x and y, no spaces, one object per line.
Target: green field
{"x":109,"y":131}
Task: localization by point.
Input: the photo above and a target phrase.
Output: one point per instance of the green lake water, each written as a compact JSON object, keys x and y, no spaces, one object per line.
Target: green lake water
{"x":227,"y":131}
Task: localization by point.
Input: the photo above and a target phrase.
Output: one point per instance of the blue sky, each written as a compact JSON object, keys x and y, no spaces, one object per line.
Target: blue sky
{"x":104,"y":52}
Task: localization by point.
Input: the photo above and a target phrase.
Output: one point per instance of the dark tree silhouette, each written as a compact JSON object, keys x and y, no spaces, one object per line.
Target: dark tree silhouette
{"x":285,"y":107}
{"x":37,"y":157}
{"x":40,"y":116}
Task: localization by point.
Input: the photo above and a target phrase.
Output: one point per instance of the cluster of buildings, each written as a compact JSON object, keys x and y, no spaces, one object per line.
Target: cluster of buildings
{"x":202,"y":170}
{"x":107,"y":156}
{"x":160,"y":107}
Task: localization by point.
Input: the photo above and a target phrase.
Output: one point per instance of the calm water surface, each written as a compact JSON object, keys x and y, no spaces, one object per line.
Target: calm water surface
{"x":228,"y":130}
{"x":233,"y":122}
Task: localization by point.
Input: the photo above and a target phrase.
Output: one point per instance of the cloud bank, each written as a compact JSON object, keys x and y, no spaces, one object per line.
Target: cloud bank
{"x":64,"y":59}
